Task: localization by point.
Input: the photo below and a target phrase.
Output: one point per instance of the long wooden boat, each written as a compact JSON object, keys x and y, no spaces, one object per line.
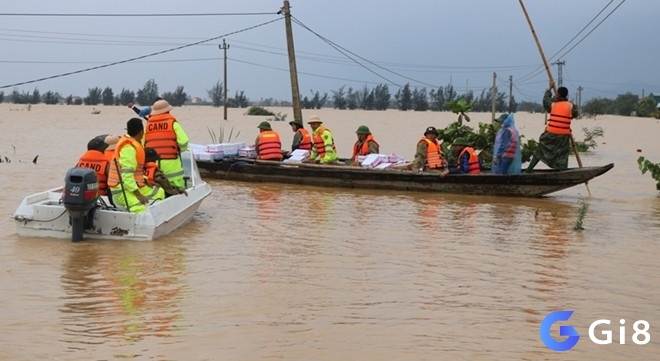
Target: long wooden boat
{"x":536,"y":184}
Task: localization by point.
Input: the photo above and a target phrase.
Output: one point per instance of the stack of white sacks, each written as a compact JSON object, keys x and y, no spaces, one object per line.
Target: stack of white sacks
{"x":248,"y":152}
{"x":213,"y":152}
{"x":298,"y":156}
{"x":379,"y":161}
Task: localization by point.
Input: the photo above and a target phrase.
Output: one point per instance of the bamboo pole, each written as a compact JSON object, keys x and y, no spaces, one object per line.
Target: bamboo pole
{"x":552,"y":83}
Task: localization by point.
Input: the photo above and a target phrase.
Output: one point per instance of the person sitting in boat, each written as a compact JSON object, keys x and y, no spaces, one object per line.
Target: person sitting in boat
{"x":365,"y":143}
{"x":555,"y":141}
{"x":95,"y":159}
{"x":154,"y":176}
{"x":428,"y":156}
{"x":126,"y":177}
{"x":323,"y":144}
{"x":268,"y":144}
{"x":507,"y":155}
{"x":467,"y":161}
{"x":301,"y":137}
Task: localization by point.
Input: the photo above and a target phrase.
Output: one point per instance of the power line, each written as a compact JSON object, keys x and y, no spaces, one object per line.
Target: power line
{"x":132,"y":15}
{"x":139,"y":57}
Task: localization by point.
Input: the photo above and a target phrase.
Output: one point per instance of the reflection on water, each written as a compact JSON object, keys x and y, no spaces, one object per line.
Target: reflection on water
{"x":118,"y":294}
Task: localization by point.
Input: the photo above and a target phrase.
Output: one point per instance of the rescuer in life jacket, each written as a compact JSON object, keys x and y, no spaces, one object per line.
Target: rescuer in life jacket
{"x":428,"y":155}
{"x":95,"y":159}
{"x":268,"y":144}
{"x":467,"y":161}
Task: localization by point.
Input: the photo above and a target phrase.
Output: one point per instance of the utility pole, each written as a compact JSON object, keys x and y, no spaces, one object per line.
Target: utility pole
{"x":293,"y":71}
{"x":579,"y":98}
{"x":224,"y":47}
{"x":560,"y":72}
{"x":510,"y":93}
{"x":493,"y":95}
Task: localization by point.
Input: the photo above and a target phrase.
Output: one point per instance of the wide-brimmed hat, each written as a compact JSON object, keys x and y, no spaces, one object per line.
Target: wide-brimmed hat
{"x":461,"y":141}
{"x":160,"y":107}
{"x":431,"y":130}
{"x":296,"y":122}
{"x":314,"y":119}
{"x":264,"y":125}
{"x":363,"y":129}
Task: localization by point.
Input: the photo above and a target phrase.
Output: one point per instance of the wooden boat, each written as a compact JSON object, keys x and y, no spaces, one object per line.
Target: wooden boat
{"x":44,"y":215}
{"x":536,"y":184}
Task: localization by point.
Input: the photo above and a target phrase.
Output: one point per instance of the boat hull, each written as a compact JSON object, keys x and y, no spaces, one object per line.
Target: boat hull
{"x":44,"y":215}
{"x":537,"y":184}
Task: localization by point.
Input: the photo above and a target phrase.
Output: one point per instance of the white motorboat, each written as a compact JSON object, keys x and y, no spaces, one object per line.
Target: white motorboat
{"x":44,"y":214}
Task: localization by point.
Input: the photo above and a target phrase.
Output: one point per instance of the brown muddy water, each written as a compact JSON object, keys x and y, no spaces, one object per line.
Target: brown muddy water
{"x":279,"y":272}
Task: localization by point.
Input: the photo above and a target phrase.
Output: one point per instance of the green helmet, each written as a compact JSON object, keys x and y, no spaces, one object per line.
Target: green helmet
{"x":461,"y":141}
{"x":264,"y":125}
{"x":296,"y":122}
{"x":363,"y":129}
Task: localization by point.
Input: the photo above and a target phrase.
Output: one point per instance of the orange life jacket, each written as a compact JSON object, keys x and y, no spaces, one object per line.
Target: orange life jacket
{"x":114,"y":176}
{"x":434,"y":159}
{"x":473,"y":167}
{"x":364,"y":148}
{"x":149,"y":171}
{"x":306,"y":141}
{"x":560,"y":118}
{"x":159,"y":134}
{"x":93,"y":159}
{"x":319,"y":143}
{"x":269,"y":147}
{"x":510,"y":151}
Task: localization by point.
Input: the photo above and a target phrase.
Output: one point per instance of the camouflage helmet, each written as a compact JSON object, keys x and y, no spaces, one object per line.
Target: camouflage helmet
{"x":264,"y":125}
{"x":362,"y":129}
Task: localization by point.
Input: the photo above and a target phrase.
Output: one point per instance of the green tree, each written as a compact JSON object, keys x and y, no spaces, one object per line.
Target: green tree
{"x":124,"y":97}
{"x":646,"y":107}
{"x":108,"y":97}
{"x":93,"y":96}
{"x":318,"y":101}
{"x":148,"y":94}
{"x":36,"y":97}
{"x":366,"y":99}
{"x":239,"y":100}
{"x":69,"y":100}
{"x":403,"y":98}
{"x":51,"y":97}
{"x":216,"y":94}
{"x":626,"y":103}
{"x":339,"y":98}
{"x":382,"y":97}
{"x":352,"y":99}
{"x":2,"y":97}
{"x":178,"y":98}
{"x":597,"y":106}
{"x":531,"y":107}
{"x":437,"y":99}
{"x":420,"y":100}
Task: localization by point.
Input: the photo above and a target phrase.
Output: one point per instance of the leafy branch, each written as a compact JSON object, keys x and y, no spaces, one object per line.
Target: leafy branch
{"x":654,"y":168}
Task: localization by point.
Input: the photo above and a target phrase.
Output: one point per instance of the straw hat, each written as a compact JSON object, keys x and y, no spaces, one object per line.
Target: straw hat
{"x":160,"y":107}
{"x":314,"y":119}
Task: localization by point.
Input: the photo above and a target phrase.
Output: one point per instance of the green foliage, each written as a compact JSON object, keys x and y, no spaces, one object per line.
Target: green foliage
{"x":589,"y":141}
{"x":646,"y":107}
{"x":148,"y":94}
{"x":654,"y":168}
{"x":420,"y":100}
{"x":339,"y":98}
{"x":316,"y":102}
{"x":2,"y":96}
{"x":124,"y":97}
{"x":239,"y":100}
{"x":217,"y":93}
{"x":93,"y":96}
{"x":108,"y":97}
{"x":50,"y":97}
{"x":403,"y":98}
{"x":176,"y":98}
{"x":582,"y":212}
{"x":259,"y":111}
{"x":598,"y":106}
{"x":460,"y":107}
{"x":220,"y":137}
{"x":279,"y":117}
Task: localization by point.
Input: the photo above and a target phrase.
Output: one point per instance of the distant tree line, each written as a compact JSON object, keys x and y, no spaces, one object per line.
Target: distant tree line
{"x":376,"y":98}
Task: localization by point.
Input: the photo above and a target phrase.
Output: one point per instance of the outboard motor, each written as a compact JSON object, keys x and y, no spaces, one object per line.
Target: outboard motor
{"x":81,"y":190}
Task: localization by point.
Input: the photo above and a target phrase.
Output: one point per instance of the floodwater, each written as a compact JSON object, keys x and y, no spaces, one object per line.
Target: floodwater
{"x":280,"y":272}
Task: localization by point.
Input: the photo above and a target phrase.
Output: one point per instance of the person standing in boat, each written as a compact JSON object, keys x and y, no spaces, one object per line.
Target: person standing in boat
{"x":268,"y":144}
{"x":428,"y":156}
{"x":365,"y":143}
{"x":126,"y":177}
{"x":165,"y":134}
{"x":507,"y":155}
{"x":323,"y":144}
{"x":555,"y":141}
{"x":467,"y":161}
{"x":301,"y":137}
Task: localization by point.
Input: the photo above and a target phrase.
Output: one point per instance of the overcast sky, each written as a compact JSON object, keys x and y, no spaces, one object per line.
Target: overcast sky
{"x":427,"y":43}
